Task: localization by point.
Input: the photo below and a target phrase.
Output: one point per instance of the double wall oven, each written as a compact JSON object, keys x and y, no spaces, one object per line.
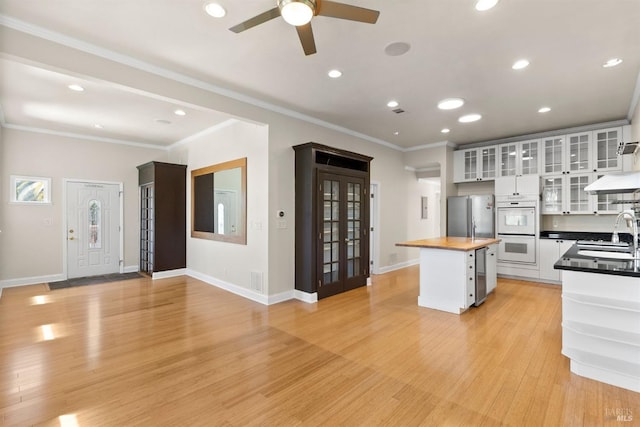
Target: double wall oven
{"x":516,"y":228}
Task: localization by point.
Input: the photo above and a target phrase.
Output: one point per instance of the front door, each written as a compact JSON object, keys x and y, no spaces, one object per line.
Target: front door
{"x":343,"y":242}
{"x":93,"y":229}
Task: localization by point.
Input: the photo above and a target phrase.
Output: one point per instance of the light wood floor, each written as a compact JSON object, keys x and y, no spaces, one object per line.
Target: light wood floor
{"x":178,"y":352}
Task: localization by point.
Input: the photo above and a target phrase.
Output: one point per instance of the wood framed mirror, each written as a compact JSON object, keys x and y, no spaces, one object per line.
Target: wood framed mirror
{"x":219,"y":202}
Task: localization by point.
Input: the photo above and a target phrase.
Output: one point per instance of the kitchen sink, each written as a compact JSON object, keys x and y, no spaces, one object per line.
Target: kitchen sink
{"x":605,"y":254}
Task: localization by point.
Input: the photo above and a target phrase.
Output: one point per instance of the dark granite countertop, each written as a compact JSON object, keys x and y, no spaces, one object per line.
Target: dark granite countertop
{"x":584,"y":235}
{"x":571,"y":260}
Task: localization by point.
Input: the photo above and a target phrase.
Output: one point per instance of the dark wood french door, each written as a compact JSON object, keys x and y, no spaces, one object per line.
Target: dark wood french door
{"x":343,"y":240}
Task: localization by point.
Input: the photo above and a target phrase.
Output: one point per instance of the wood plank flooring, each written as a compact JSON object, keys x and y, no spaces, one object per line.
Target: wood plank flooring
{"x":178,"y":352}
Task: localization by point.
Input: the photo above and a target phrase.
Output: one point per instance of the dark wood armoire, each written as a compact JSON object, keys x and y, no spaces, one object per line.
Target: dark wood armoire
{"x":332,"y":219}
{"x":163,"y":216}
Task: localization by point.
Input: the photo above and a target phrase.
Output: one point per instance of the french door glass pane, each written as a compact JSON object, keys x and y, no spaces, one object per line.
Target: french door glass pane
{"x":354,"y":191}
{"x":330,"y":228}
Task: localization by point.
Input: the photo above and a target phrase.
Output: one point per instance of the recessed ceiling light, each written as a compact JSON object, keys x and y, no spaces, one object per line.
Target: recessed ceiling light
{"x":163,"y":121}
{"x":76,"y":88}
{"x":544,"y":110}
{"x":392,"y":104}
{"x":520,"y":64}
{"x":98,"y":126}
{"x":483,"y":5}
{"x":396,"y":133}
{"x":445,"y":130}
{"x":179,"y":112}
{"x":470,"y":118}
{"x":215,"y":10}
{"x":450,"y":103}
{"x":612,"y":62}
{"x":334,"y":74}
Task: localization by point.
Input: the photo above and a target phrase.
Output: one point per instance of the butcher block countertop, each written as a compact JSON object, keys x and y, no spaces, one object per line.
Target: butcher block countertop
{"x":450,"y":243}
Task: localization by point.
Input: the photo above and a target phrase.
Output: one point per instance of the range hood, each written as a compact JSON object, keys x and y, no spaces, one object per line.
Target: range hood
{"x":615,"y":183}
{"x":628,"y":147}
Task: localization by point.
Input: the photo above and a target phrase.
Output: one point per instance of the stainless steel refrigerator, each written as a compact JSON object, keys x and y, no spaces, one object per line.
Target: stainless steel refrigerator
{"x":463,"y":212}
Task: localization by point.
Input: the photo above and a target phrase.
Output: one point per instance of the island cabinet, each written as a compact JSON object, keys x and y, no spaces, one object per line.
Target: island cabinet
{"x":332,"y":220}
{"x":450,"y":272}
{"x":163,"y":218}
{"x":601,"y":317}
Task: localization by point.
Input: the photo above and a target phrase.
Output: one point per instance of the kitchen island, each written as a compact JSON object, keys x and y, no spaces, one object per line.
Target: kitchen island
{"x":601,"y":317}
{"x":448,"y":271}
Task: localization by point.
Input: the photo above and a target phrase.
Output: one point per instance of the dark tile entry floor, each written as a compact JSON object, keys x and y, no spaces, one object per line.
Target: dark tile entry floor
{"x":93,"y":280}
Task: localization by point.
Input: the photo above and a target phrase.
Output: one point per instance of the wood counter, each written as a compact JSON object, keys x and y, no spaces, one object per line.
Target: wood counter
{"x":451,"y":243}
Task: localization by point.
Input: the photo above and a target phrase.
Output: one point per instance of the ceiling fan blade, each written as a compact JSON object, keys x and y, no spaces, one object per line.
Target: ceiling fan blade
{"x":256,"y":20}
{"x":345,"y":11}
{"x":306,"y":38}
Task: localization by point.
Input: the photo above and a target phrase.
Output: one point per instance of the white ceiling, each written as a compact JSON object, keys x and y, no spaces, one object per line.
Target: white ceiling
{"x":455,"y":51}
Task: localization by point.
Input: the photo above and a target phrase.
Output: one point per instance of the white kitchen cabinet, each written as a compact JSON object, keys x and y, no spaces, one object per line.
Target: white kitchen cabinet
{"x":519,"y":185}
{"x":550,"y":251}
{"x":519,"y":158}
{"x":578,"y":153}
{"x":553,"y":155}
{"x":605,"y":152}
{"x":565,"y":195}
{"x":591,"y":151}
{"x":567,"y":154}
{"x":492,"y":267}
{"x":475,"y":164}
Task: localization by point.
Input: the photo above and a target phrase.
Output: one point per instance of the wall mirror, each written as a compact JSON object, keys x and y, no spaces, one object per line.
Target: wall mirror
{"x":219,"y":202}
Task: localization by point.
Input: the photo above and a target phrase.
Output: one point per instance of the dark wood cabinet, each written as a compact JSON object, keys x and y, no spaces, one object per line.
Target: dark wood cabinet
{"x":332,"y":219}
{"x":163,"y":216}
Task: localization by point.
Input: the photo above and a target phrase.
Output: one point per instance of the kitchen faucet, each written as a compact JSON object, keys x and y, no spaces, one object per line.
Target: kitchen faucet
{"x":632,"y":223}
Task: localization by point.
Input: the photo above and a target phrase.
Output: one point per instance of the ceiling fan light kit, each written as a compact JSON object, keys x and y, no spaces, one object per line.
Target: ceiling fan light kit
{"x":297,"y":12}
{"x":300,"y":12}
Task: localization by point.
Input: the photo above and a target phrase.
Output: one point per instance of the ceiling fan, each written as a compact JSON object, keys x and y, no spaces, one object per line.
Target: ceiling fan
{"x":299,"y":13}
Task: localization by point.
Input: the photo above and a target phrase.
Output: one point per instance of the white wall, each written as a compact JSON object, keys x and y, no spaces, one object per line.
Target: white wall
{"x":32,"y":239}
{"x":229,"y":262}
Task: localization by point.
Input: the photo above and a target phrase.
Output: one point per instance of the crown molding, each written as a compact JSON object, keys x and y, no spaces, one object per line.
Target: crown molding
{"x":84,"y":136}
{"x":431,"y":145}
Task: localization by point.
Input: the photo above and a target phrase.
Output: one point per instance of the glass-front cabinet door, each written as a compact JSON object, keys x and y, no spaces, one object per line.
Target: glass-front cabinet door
{"x":508,"y":159}
{"x":552,"y":155}
{"x":579,"y":200}
{"x":530,"y":157}
{"x":342,"y":257}
{"x":488,"y":157}
{"x":552,"y":195}
{"x":470,"y":165}
{"x":579,"y":152}
{"x":606,"y":156}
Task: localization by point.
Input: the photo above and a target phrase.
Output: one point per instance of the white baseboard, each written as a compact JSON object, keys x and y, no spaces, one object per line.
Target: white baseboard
{"x":168,"y":273}
{"x":36,"y":280}
{"x":234,"y":289}
{"x":305,"y":297}
{"x":398,"y":266}
{"x":130,"y":269}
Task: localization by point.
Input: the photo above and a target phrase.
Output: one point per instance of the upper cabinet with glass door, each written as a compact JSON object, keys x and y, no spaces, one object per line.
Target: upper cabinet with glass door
{"x":605,"y":152}
{"x":592,"y":151}
{"x":566,"y":154}
{"x":475,"y":164}
{"x":519,"y":158}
